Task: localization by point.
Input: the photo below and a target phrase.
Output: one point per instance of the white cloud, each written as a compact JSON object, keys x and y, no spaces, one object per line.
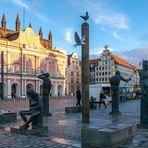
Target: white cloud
{"x":116,"y":36}
{"x":103,"y":13}
{"x":31,"y":9}
{"x":136,"y":55}
{"x":69,"y":35}
{"x":20,"y":3}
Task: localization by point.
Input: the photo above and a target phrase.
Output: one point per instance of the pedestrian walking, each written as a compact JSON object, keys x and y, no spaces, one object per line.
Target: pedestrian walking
{"x":13,"y":95}
{"x":78,"y":96}
{"x":102,"y":100}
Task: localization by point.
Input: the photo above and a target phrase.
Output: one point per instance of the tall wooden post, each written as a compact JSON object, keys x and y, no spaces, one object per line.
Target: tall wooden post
{"x":85,"y":74}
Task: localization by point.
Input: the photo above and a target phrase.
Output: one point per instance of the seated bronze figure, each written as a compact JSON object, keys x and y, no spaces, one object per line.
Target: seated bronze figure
{"x":35,"y":111}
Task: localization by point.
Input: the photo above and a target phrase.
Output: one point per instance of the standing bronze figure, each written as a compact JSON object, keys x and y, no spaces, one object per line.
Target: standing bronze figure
{"x":144,"y":95}
{"x":46,"y":92}
{"x":115,"y":82}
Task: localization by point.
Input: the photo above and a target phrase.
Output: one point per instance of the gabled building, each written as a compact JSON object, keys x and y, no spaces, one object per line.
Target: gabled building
{"x":105,"y":67}
{"x":73,"y":74}
{"x":93,"y":66}
{"x":27,"y":54}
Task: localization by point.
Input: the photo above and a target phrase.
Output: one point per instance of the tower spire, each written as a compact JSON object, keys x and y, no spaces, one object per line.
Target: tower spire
{"x":50,"y":35}
{"x":41,"y":33}
{"x":3,"y":22}
{"x":30,"y":25}
{"x":50,"y":39}
{"x":17,"y":23}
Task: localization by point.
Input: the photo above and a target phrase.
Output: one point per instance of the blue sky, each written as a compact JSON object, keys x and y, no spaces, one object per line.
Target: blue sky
{"x":120,"y":23}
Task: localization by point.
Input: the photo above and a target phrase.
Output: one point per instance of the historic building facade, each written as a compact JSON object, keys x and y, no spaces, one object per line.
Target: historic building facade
{"x":73,"y":74}
{"x":26,"y":55}
{"x":105,"y":67}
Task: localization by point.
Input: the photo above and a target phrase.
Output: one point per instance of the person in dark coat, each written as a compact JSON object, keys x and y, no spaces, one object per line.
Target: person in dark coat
{"x":78,"y":96}
{"x":102,"y":100}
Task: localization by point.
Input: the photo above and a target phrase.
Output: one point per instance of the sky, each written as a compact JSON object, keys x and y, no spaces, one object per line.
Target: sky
{"x":122,"y":24}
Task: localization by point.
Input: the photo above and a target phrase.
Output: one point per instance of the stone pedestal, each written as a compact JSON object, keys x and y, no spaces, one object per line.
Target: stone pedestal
{"x":93,"y":105}
{"x":73,"y":109}
{"x":115,"y":113}
{"x":144,"y":126}
{"x":29,"y":131}
{"x":8,"y":117}
{"x":104,"y":137}
{"x":47,"y":115}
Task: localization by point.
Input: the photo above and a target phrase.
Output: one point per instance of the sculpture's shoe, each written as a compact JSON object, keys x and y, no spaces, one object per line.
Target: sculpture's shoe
{"x":24,"y":127}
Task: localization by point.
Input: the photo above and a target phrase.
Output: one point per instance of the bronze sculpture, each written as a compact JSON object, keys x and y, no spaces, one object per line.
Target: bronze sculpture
{"x":144,"y":94}
{"x":115,"y":82}
{"x":35,"y":111}
{"x":46,"y":91}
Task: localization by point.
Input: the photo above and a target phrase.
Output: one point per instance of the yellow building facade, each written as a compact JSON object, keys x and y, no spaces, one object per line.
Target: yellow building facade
{"x":26,"y":55}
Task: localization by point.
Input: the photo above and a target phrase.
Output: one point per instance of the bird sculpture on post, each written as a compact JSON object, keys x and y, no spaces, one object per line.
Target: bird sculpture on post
{"x":79,"y":41}
{"x":86,"y":17}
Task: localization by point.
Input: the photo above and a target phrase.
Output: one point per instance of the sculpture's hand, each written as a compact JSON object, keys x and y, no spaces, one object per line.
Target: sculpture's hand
{"x":129,"y":79}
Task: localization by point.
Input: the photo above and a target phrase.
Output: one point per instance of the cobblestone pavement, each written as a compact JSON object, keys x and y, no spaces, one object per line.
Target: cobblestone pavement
{"x":64,"y":130}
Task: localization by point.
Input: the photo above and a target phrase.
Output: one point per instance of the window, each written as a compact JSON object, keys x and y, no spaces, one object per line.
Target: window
{"x":17,"y":69}
{"x":27,"y":70}
{"x":12,"y":68}
{"x":17,"y":57}
{"x":12,"y":56}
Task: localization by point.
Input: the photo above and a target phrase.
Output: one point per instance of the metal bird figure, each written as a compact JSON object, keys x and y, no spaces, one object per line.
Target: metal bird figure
{"x":79,"y":41}
{"x":86,"y":17}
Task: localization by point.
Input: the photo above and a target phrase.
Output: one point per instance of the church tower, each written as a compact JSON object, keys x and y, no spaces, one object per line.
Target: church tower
{"x":3,"y":22}
{"x":41,"y":33}
{"x":50,"y":39}
{"x":17,"y":23}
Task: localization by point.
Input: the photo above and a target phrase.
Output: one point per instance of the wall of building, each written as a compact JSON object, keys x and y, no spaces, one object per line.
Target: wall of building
{"x":25,"y":58}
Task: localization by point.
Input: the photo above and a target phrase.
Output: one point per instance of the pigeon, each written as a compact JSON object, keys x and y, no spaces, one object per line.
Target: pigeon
{"x":78,"y":41}
{"x":86,"y":17}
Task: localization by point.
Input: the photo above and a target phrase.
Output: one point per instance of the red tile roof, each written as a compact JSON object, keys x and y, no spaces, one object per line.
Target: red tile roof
{"x":94,"y":61}
{"x":121,"y":61}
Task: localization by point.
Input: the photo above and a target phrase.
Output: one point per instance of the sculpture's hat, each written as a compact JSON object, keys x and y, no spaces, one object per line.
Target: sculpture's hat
{"x":144,"y":62}
{"x":118,"y":72}
{"x":46,"y":74}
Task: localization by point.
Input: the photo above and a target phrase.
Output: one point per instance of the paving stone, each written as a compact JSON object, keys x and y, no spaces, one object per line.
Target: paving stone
{"x":68,"y":126}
